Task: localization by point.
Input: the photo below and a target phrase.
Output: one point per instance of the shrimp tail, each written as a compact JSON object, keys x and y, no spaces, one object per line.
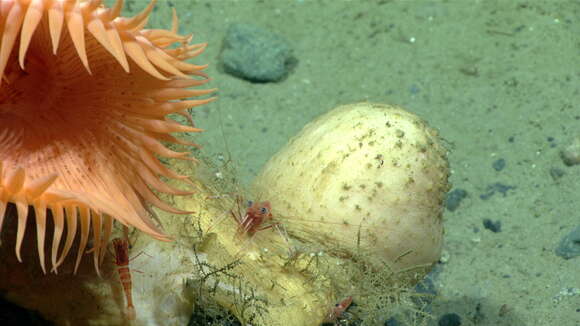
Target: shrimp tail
{"x":130,"y":313}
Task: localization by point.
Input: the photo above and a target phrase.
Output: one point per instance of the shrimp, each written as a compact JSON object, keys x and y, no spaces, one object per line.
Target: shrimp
{"x":254,"y":216}
{"x":336,"y":312}
{"x":121,"y":247}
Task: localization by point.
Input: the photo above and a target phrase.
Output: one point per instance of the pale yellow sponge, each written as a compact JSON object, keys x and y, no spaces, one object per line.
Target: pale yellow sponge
{"x":363,"y":176}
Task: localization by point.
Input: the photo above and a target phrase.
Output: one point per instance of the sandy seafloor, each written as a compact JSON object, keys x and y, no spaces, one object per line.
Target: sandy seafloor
{"x":499,"y":79}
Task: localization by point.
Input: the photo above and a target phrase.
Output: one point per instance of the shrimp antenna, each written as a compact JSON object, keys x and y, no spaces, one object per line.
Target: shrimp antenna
{"x":226,"y":146}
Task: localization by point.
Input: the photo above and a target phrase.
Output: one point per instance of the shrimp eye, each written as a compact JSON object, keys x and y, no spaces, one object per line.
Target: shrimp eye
{"x":250,"y":203}
{"x":263,"y":210}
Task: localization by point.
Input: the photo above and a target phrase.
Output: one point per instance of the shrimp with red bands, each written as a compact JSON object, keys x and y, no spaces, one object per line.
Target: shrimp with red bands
{"x":255,"y":215}
{"x":121,"y":247}
{"x":336,"y":312}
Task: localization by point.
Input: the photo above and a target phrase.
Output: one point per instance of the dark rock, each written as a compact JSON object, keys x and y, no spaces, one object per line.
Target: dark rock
{"x":499,"y":164}
{"x":392,"y":322}
{"x":571,"y":154}
{"x":451,"y":319}
{"x":569,"y":246}
{"x":557,"y":173}
{"x":427,"y":290}
{"x":454,"y":198}
{"x":255,"y":54}
{"x":491,"y":225}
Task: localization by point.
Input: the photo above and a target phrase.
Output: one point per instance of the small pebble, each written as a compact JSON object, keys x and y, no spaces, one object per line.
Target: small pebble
{"x":445,"y":256}
{"x":552,"y":142}
{"x":499,"y":164}
{"x":569,"y":246}
{"x":451,"y":319}
{"x":557,"y":173}
{"x":494,"y":227}
{"x":255,"y":54}
{"x":454,"y":198}
{"x":571,"y":154}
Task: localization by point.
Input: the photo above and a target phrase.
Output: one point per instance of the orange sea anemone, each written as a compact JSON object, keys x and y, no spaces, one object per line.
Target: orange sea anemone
{"x":85,"y":96}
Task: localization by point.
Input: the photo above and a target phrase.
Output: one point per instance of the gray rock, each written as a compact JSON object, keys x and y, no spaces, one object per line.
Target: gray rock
{"x":454,"y":198}
{"x":571,"y":154}
{"x":255,"y":54}
{"x":569,"y":246}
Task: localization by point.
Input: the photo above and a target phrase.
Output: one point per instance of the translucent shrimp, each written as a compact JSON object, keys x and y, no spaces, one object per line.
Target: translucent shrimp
{"x":254,"y":217}
{"x":121,"y":247}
